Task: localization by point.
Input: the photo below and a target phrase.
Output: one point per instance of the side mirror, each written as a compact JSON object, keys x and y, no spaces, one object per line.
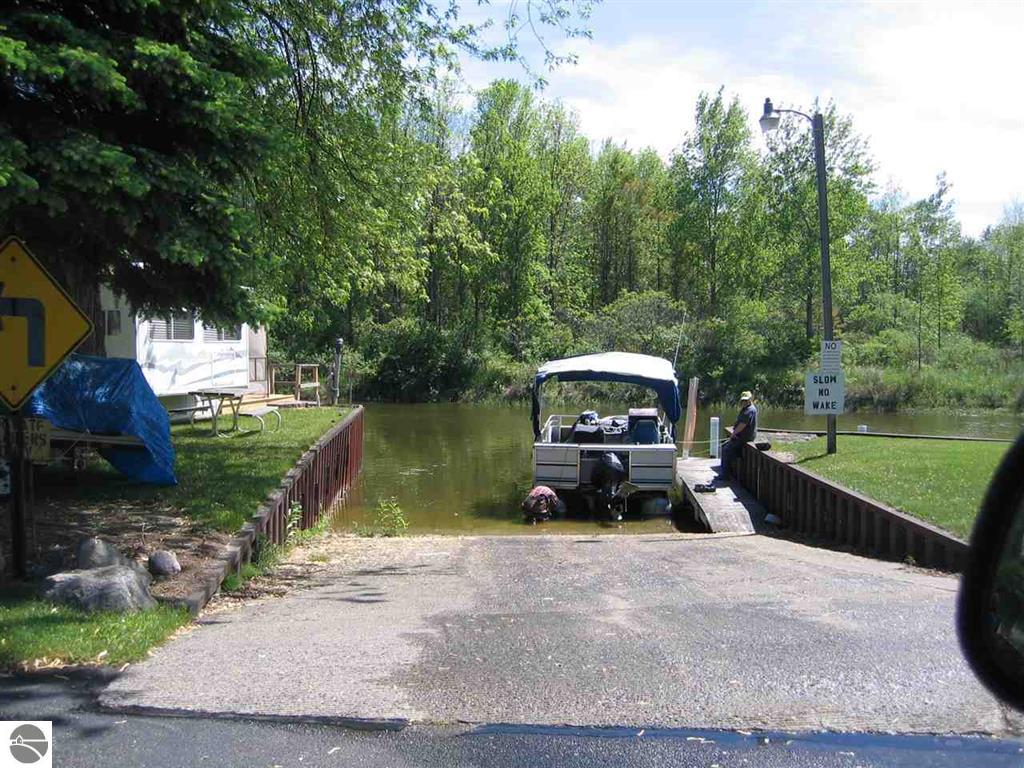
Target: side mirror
{"x":990,"y":614}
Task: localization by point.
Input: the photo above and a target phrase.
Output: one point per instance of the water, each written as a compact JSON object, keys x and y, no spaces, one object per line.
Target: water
{"x":458,"y":469}
{"x":464,"y":469}
{"x":999,"y":424}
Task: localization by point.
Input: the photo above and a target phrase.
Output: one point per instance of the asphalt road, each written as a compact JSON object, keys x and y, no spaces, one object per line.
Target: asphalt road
{"x":643,"y":631}
{"x":87,"y":738}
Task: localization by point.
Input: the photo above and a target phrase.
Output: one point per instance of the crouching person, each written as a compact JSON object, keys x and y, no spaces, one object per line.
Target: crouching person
{"x":542,"y":504}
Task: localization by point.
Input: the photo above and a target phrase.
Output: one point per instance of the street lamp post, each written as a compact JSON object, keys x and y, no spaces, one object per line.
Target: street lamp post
{"x":769,"y":122}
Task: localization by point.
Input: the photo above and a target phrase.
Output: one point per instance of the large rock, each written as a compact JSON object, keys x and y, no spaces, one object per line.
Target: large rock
{"x":164,"y":563}
{"x":110,"y":588}
{"x":97,"y":553}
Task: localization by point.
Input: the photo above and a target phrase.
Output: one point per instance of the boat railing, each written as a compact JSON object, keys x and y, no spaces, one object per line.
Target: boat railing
{"x":556,"y":422}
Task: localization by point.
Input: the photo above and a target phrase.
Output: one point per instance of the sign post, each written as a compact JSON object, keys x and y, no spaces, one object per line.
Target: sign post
{"x":39,"y":327}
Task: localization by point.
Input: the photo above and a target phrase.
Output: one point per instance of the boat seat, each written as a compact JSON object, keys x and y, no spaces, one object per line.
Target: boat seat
{"x":587,"y":433}
{"x":640,"y":414}
{"x":644,"y":432}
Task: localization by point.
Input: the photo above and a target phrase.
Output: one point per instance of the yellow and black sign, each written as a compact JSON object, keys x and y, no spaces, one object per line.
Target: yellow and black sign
{"x":39,"y":323}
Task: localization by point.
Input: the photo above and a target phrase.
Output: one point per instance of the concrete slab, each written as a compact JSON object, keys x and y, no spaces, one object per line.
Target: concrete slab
{"x":729,"y":509}
{"x":727,"y":631}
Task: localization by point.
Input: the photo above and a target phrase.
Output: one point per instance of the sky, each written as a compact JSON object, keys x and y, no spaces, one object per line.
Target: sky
{"x":933,"y":86}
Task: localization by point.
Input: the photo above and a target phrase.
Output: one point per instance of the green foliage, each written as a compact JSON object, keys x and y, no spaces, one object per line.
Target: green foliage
{"x":710,"y":174}
{"x":313,"y":164}
{"x":127,"y":133}
{"x":649,"y":322}
{"x":413,"y":361}
{"x":388,"y":521}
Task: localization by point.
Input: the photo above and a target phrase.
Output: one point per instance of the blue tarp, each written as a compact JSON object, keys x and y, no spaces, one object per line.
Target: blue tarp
{"x":110,"y":396}
{"x":626,"y":367}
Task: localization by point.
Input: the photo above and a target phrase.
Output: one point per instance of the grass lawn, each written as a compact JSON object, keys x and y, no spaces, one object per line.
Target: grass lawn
{"x":36,"y":633}
{"x":941,"y":481}
{"x":221,"y":480}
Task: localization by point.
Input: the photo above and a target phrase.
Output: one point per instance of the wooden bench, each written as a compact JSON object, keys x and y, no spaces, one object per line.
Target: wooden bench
{"x":259,"y":413}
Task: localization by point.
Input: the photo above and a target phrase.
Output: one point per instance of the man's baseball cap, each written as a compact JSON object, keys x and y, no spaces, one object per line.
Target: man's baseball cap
{"x":746,"y":394}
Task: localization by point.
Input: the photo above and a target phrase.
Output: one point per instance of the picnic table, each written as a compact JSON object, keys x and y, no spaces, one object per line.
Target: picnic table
{"x":214,"y":400}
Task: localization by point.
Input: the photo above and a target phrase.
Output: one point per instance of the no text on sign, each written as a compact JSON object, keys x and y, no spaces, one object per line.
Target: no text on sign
{"x":824,"y":393}
{"x":39,"y":323}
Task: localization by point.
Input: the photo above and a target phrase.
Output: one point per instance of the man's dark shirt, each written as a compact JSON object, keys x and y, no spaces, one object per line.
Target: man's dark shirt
{"x":747,"y":416}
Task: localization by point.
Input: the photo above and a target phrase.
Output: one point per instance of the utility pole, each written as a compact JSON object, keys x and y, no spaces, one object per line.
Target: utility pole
{"x":826,"y":268}
{"x":769,"y":122}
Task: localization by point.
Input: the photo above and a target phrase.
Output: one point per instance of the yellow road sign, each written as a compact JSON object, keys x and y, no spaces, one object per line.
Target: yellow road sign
{"x":39,"y":323}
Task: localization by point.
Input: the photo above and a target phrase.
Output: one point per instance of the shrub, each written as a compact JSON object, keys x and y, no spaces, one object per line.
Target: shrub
{"x":415,"y":361}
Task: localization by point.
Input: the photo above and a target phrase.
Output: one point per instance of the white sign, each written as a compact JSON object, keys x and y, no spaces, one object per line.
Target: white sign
{"x":824,"y":393}
{"x":831,"y":355}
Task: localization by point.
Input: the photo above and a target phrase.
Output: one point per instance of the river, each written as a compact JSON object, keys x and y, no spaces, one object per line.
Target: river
{"x":464,"y":469}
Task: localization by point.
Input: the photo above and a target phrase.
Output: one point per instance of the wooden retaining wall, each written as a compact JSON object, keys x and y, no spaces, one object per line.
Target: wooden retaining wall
{"x":820,"y":509}
{"x":317,"y":482}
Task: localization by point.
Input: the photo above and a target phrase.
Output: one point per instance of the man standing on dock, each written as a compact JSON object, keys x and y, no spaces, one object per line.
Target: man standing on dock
{"x":743,"y":431}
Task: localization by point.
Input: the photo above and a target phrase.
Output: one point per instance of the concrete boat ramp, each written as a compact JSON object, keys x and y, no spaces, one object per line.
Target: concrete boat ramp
{"x":730,"y":508}
{"x":675,"y":630}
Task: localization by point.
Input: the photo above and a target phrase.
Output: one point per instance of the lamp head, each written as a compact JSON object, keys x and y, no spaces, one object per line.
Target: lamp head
{"x":769,"y":119}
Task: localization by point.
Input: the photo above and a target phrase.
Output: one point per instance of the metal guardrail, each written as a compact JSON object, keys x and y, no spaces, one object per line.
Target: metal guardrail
{"x":317,"y":480}
{"x":820,"y":509}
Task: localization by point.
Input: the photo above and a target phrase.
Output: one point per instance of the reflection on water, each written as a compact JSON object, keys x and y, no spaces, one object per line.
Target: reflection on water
{"x":458,"y":468}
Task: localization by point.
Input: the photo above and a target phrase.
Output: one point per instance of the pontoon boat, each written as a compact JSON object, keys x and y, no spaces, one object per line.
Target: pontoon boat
{"x":608,"y":458}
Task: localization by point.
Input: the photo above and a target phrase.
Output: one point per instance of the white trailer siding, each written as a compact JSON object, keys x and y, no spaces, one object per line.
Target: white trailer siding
{"x":176,"y":367}
{"x":175,"y":363}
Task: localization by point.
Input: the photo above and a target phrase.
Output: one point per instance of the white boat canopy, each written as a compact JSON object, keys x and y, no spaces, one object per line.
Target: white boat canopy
{"x":625,"y":367}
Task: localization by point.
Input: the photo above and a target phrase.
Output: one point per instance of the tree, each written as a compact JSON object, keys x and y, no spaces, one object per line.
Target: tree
{"x":708,"y":173}
{"x":126,"y":132}
{"x":512,"y":190}
{"x":565,"y":165}
{"x":629,"y":211}
{"x":790,"y":189}
{"x":934,"y":238}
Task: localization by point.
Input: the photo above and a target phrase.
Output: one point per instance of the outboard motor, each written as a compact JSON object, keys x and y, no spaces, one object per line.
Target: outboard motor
{"x":608,"y":476}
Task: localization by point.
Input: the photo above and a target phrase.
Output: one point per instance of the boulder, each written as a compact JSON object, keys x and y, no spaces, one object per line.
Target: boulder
{"x":164,"y":563}
{"x":97,"y":553}
{"x":110,"y":588}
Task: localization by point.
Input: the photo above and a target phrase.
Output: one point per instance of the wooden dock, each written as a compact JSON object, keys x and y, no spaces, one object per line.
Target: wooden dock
{"x":730,"y":509}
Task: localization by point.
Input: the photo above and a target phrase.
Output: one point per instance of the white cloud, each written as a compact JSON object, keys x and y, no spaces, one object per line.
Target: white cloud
{"x":933,"y":87}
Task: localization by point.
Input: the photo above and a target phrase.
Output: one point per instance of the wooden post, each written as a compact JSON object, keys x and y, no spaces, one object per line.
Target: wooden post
{"x":690,"y":425}
{"x":19,"y":471}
